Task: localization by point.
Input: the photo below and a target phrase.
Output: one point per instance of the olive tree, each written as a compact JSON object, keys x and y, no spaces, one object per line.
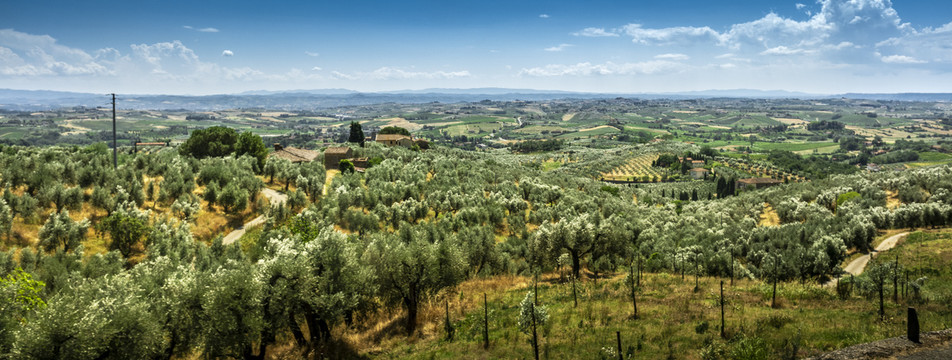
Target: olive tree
{"x":61,"y":230}
{"x":106,"y":318}
{"x":575,"y":235}
{"x":126,"y":226}
{"x":409,"y":272}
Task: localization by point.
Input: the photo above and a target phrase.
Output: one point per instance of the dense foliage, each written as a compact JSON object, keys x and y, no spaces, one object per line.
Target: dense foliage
{"x":396,"y":236}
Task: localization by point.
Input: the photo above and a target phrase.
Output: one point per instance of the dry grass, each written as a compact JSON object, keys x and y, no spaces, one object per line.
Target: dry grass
{"x":790,"y":121}
{"x":401,"y":122}
{"x":892,"y":199}
{"x":328,"y":177}
{"x":769,"y":216}
{"x":568,"y":116}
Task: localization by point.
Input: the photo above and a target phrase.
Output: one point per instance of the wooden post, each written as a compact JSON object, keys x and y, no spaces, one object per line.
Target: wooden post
{"x":912,"y":325}
{"x":449,"y":326}
{"x":535,"y":337}
{"x":618,"y":336}
{"x":115,"y":154}
{"x":773,"y":300}
{"x":896,"y":281}
{"x":722,"y":309}
{"x":485,"y":323}
{"x":634,"y":301}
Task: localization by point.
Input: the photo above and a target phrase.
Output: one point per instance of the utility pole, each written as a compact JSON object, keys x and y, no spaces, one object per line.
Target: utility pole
{"x":115,"y":151}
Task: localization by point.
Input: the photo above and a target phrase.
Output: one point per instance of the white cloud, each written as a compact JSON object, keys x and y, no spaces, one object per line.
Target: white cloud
{"x":673,"y":57}
{"x":25,"y":54}
{"x":783,"y":50}
{"x":684,"y":35}
{"x":845,"y":31}
{"x":544,"y":16}
{"x":227,"y":53}
{"x":316,"y":68}
{"x":559,"y":47}
{"x":595,"y":32}
{"x":341,"y":76}
{"x":608,"y":68}
{"x":901,"y":59}
{"x":312,"y":54}
{"x":207,"y":29}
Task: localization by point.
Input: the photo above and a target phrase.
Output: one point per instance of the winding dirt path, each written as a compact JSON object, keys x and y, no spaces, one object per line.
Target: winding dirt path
{"x":275,"y":197}
{"x":857,"y":266}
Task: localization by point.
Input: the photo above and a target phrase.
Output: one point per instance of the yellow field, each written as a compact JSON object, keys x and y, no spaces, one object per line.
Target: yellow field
{"x":401,"y":122}
{"x":789,"y":121}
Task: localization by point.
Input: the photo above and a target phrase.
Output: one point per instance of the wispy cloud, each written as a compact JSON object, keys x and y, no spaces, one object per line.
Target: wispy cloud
{"x":559,"y":47}
{"x":783,"y":50}
{"x":608,"y":68}
{"x":683,"y":35}
{"x":673,"y":57}
{"x":901,"y":59}
{"x":206,"y":30}
{"x":394,"y":73}
{"x":595,"y":32}
{"x":312,"y":54}
{"x":800,"y":6}
{"x":316,"y":68}
{"x":544,"y":16}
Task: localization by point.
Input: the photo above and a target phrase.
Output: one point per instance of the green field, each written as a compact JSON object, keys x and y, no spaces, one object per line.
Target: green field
{"x":590,"y":133}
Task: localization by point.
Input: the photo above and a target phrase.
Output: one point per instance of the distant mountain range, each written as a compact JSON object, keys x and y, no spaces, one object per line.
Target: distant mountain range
{"x":327,"y":98}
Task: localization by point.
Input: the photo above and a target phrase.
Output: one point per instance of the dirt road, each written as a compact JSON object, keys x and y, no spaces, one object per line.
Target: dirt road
{"x":857,"y":266}
{"x":275,"y":197}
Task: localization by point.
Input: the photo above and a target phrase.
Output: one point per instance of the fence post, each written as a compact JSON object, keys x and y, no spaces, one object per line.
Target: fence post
{"x":722,"y":309}
{"x":618,"y":335}
{"x":485,"y":323}
{"x":449,"y":325}
{"x":912,"y":325}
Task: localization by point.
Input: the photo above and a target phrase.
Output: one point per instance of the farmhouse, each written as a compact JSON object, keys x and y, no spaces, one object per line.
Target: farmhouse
{"x":699,"y":173}
{"x":294,"y":154}
{"x":756,"y":183}
{"x":333,"y":156}
{"x":395,"y":140}
{"x":697,"y":163}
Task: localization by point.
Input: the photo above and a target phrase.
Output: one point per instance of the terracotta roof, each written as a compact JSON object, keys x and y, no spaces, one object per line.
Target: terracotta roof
{"x":296,"y":155}
{"x":699,"y":170}
{"x":759,"y":181}
{"x":392,"y":137}
{"x":342,"y":150}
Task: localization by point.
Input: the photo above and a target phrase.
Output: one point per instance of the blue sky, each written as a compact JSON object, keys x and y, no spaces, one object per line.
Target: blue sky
{"x":209,"y":47}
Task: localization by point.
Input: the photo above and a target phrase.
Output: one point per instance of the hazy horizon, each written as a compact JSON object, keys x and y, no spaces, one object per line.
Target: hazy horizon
{"x":202,"y":48}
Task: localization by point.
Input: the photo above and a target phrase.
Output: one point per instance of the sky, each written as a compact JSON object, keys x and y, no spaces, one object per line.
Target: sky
{"x":635,"y":46}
